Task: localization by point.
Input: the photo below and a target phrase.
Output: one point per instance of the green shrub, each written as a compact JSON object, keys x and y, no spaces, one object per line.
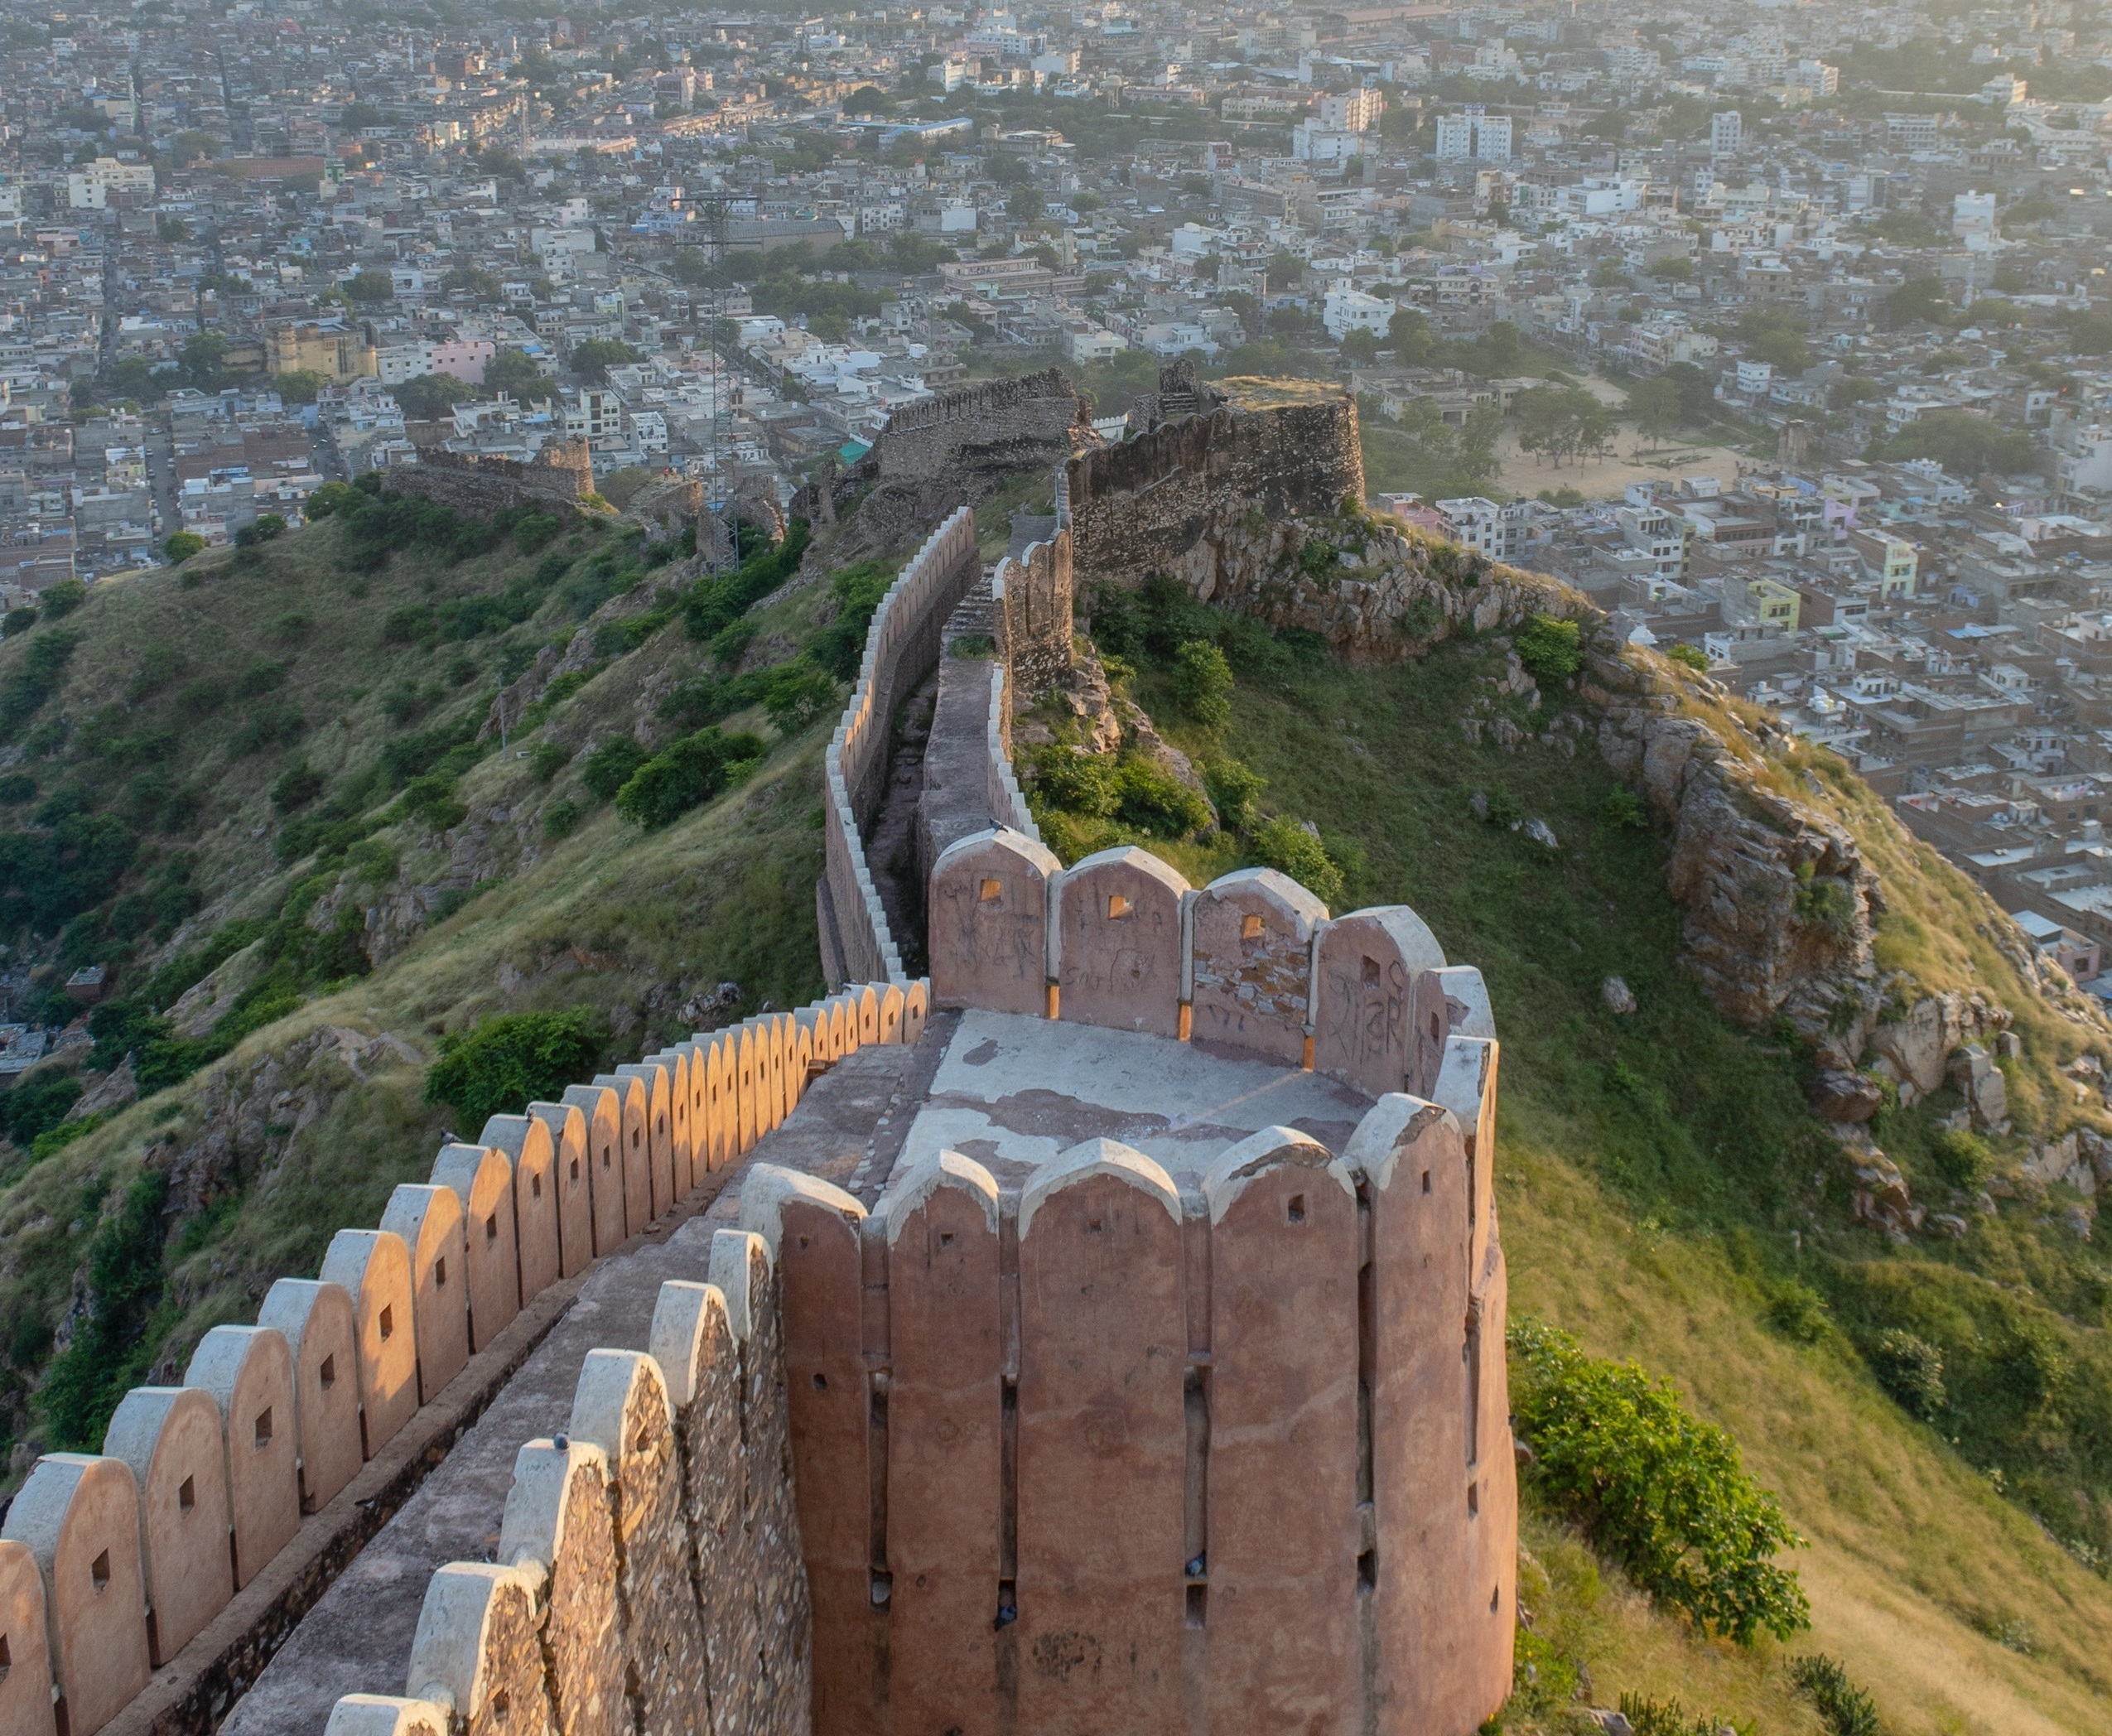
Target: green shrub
{"x":298,"y":785}
{"x":611,"y":765}
{"x":1288,"y":847}
{"x":17,"y":622}
{"x":1648,"y":1717}
{"x":1661,"y":1492}
{"x":1824,"y":903}
{"x":34,"y":679}
{"x":85,"y":1381}
{"x":1203,"y":683}
{"x":1623,"y":808}
{"x":59,"y":600}
{"x":38,"y":1105}
{"x":1845,"y":1709}
{"x":182,"y":545}
{"x":1152,"y":799}
{"x":1962,"y":1158}
{"x":17,"y":788}
{"x":1076,"y":783}
{"x":684,"y":774}
{"x":797,"y":694}
{"x":1691,"y":657}
{"x":503,"y":1063}
{"x":560,"y":819}
{"x":1911,"y":1369}
{"x":546,"y":759}
{"x":1797,"y":1311}
{"x":1232,"y":789}
{"x":1500,"y":808}
{"x":1552,"y":650}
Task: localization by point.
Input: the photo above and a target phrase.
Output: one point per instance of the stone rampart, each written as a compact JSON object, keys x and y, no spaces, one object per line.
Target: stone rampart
{"x":1137,"y":508}
{"x":131,"y":1554}
{"x":997,"y":426}
{"x":1095,"y":1448}
{"x":901,"y":646}
{"x":559,"y":479}
{"x":1034,"y":598}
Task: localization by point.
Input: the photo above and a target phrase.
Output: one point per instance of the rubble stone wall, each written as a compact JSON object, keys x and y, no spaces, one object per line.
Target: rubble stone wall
{"x":1002,"y":425}
{"x":1136,"y":509}
{"x":560,"y":478}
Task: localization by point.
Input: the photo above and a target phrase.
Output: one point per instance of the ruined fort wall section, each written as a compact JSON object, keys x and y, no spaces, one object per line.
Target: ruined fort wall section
{"x":560,"y":477}
{"x":999,"y":426}
{"x":901,"y":646}
{"x":128,"y":1555}
{"x":1141,"y":506}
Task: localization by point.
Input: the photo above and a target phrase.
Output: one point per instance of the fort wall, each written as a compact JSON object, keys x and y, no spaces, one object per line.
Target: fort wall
{"x":997,"y":426}
{"x":901,"y":646}
{"x":1099,"y":1449}
{"x":560,"y":478}
{"x":127,"y":1558}
{"x":1137,"y":508}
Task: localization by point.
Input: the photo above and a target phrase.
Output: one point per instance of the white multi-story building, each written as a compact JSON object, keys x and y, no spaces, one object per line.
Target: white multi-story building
{"x":1972,"y":218}
{"x":1473,"y":136}
{"x":1497,"y":532}
{"x":1345,"y":311}
{"x":1726,"y":132}
{"x":89,"y":188}
{"x":1657,"y":538}
{"x":1350,"y":111}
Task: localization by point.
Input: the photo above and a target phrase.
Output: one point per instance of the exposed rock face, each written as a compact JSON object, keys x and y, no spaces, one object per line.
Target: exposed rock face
{"x":1914,"y":1050}
{"x":1779,"y":902}
{"x":115,"y":1089}
{"x":1985,"y":1090}
{"x":1841,"y":1096}
{"x":252,"y":1110}
{"x":1377,"y":595}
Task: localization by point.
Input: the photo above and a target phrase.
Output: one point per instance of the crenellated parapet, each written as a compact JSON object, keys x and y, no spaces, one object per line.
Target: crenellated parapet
{"x":112,"y":1565}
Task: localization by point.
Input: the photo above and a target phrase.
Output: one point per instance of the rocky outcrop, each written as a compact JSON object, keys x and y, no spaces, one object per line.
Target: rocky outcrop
{"x":1375,"y":592}
{"x":1779,"y":903}
{"x":252,"y":1109}
{"x":1914,"y":1049}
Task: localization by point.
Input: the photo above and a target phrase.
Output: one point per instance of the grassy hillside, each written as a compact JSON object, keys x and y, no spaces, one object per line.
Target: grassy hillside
{"x":259,"y":780}
{"x":1667,"y":1195}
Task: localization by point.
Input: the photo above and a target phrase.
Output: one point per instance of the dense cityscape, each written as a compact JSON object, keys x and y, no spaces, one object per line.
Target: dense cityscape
{"x":1782,"y":330}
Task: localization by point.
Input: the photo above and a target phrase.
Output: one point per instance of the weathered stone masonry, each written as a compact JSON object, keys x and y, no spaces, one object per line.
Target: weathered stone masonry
{"x":1137,"y":508}
{"x":560,"y":477}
